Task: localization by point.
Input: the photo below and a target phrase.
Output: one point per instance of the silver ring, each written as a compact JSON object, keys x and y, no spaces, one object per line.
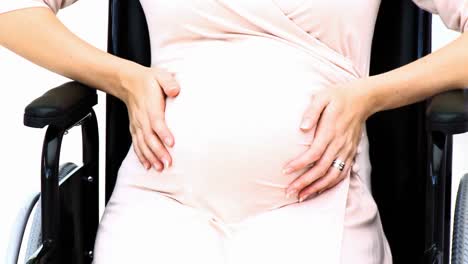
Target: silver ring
{"x":339,"y":164}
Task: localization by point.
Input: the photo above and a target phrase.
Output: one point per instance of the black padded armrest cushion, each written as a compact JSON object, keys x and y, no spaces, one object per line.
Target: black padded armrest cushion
{"x":61,"y":106}
{"x":448,"y":112}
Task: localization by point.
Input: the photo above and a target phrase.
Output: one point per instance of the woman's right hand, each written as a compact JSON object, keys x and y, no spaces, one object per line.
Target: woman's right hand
{"x":59,"y":50}
{"x":144,"y":97}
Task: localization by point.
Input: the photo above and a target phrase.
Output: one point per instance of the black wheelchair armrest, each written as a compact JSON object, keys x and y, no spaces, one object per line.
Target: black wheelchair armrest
{"x":448,"y":112}
{"x":61,"y":106}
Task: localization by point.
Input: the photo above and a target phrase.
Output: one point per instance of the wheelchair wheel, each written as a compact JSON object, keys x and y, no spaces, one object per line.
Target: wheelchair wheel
{"x":460,"y":229}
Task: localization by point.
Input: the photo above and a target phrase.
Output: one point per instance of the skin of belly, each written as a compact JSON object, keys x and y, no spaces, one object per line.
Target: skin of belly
{"x":236,"y":124}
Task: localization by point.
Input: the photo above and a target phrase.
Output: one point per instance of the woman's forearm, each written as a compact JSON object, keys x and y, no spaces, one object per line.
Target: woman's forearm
{"x":442,"y":70}
{"x":37,"y":35}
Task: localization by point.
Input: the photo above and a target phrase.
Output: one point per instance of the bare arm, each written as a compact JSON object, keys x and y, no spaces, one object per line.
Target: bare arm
{"x":36,"y":34}
{"x":440,"y":71}
{"x":54,"y":47}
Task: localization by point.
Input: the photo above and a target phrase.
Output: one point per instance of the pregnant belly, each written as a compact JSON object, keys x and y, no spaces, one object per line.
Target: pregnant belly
{"x":236,"y":124}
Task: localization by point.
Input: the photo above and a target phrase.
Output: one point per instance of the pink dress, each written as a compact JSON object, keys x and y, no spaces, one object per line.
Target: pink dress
{"x":246,"y":71}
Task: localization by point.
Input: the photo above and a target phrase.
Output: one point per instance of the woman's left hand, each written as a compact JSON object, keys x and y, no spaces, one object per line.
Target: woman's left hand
{"x":337,"y":115}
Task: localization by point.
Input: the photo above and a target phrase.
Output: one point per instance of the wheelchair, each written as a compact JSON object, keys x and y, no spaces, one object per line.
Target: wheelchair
{"x":410,"y":150}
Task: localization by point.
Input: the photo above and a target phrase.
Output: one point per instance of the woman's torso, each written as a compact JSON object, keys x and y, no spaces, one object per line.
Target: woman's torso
{"x":246,"y":70}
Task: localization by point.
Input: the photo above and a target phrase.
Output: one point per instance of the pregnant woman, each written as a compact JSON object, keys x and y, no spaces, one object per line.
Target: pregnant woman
{"x":262,"y":133}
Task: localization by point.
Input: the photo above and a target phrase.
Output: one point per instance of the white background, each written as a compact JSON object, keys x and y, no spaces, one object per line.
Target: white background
{"x":22,"y":81}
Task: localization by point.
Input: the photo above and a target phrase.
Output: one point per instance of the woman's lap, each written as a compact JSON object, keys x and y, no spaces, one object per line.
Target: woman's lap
{"x":143,"y":226}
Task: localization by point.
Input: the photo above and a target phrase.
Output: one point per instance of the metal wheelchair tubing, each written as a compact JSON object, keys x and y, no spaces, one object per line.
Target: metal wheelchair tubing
{"x":438,"y":198}
{"x":50,"y":184}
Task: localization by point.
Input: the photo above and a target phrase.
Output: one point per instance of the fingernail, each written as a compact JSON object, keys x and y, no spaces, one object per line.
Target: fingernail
{"x":301,"y":199}
{"x":287,"y":170}
{"x":306,"y":123}
{"x":166,"y":162}
{"x":157,"y":166}
{"x":147,"y":166}
{"x":290,"y":192}
{"x":168,"y":141}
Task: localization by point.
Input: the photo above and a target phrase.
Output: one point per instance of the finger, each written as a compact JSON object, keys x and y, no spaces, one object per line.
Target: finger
{"x":167,"y":81}
{"x":332,"y":178}
{"x":323,"y":137}
{"x":316,"y":172}
{"x":146,"y":151}
{"x":137,"y":150}
{"x":158,"y":124}
{"x":305,"y":159}
{"x":350,"y":166}
{"x":342,"y":176}
{"x":313,"y":111}
{"x":324,"y":134}
{"x":140,"y":156}
{"x":157,"y":147}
